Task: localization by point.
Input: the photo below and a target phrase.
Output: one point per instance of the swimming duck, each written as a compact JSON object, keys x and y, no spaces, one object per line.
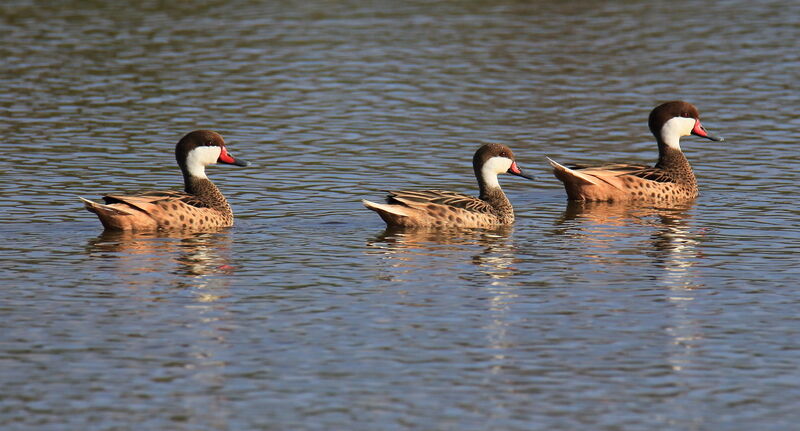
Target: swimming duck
{"x":200,"y":206}
{"x":438,"y":208}
{"x":670,"y":180}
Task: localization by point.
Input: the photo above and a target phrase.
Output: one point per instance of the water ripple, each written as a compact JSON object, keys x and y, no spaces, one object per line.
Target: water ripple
{"x":308,"y":314}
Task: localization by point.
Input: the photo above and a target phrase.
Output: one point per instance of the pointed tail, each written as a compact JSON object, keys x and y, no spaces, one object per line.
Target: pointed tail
{"x":103,"y":210}
{"x":393,"y":215}
{"x":570,"y":176}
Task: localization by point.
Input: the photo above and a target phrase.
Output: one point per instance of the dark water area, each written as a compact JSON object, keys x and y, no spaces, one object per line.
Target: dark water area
{"x":309,"y":314}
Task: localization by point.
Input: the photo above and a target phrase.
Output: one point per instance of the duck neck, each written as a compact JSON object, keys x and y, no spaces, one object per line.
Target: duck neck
{"x":206,"y":192}
{"x":492,"y":194}
{"x":673,"y":160}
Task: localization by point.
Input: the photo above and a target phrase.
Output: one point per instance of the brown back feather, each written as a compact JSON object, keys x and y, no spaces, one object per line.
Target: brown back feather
{"x":440,"y":197}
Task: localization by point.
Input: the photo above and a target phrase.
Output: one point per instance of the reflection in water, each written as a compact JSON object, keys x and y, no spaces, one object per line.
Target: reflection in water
{"x":605,"y":227}
{"x":332,"y":98}
{"x":192,"y":262}
{"x":672,"y":247}
{"x":407,"y":249}
{"x":142,"y":259}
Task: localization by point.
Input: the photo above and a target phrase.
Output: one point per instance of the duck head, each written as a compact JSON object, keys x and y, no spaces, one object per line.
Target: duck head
{"x":493,"y":159}
{"x":201,"y":148}
{"x":671,"y":121}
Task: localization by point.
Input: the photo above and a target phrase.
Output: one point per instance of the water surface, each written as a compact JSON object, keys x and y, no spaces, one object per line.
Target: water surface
{"x":309,"y":314}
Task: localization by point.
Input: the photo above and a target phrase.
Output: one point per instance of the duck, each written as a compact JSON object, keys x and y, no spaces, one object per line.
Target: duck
{"x":445,"y":209}
{"x":200,"y":206}
{"x":671,"y":179}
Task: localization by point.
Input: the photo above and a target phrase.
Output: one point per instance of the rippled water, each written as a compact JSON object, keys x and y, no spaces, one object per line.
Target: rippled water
{"x":308,"y":314}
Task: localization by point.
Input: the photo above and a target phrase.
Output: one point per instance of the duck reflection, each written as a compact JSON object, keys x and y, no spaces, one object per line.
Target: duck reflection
{"x":613,"y":231}
{"x":672,"y":246}
{"x":491,"y":251}
{"x":482,"y":260}
{"x":165,"y":267}
{"x":145,"y":259}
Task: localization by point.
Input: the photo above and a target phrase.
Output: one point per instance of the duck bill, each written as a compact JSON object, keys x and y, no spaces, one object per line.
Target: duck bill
{"x":228,"y":159}
{"x":515,"y":170}
{"x":699,"y":130}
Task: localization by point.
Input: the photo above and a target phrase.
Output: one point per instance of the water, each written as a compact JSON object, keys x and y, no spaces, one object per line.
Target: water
{"x":308,"y":314}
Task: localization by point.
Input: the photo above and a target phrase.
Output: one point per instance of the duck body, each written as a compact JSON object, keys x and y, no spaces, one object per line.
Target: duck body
{"x":670,"y":180}
{"x":200,"y":206}
{"x":440,"y":208}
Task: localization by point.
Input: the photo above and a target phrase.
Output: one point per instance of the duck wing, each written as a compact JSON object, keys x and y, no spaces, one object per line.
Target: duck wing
{"x":619,"y":169}
{"x":653,"y":174}
{"x":146,"y":200}
{"x":421,"y":198}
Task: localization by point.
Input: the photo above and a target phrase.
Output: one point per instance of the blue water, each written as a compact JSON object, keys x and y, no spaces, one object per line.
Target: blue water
{"x":308,"y":314}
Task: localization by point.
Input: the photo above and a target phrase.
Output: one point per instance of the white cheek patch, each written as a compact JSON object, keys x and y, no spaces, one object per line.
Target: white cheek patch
{"x":199,"y":158}
{"x":676,"y":127}
{"x":492,"y":167}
